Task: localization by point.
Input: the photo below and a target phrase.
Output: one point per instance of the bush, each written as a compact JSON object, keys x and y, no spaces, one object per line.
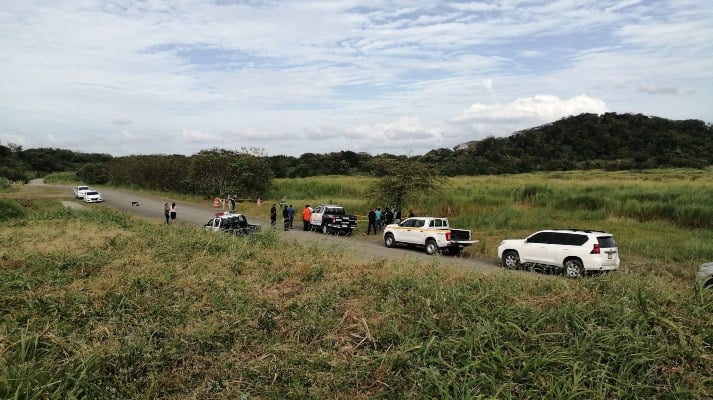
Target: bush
{"x":10,"y":210}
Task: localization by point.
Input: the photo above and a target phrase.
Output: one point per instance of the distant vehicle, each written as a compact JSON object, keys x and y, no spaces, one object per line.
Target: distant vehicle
{"x":79,"y":191}
{"x":329,"y":218}
{"x":705,"y":274}
{"x":230,"y":222}
{"x":575,"y":252}
{"x":92,"y":196}
{"x":434,"y":234}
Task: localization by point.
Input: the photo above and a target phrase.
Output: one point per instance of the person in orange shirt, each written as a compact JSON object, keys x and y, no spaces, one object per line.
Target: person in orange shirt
{"x":306,"y":216}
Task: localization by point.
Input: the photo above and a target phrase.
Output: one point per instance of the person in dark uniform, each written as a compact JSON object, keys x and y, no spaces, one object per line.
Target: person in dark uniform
{"x":286,"y":218}
{"x":372,"y":222}
{"x":273,"y":214}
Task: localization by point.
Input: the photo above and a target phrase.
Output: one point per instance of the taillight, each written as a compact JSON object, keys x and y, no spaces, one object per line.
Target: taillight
{"x":448,"y":236}
{"x":334,"y":218}
{"x":597,"y":249}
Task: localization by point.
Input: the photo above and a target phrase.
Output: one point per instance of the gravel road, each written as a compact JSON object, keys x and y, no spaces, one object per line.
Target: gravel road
{"x":365,"y":247}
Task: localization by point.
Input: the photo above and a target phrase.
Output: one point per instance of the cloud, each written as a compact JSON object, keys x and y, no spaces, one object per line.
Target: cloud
{"x":505,"y":118}
{"x":192,"y":136}
{"x":318,"y":76}
{"x":656,"y":89}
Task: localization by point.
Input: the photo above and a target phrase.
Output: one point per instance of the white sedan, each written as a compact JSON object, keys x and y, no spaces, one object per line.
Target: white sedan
{"x":92,"y":196}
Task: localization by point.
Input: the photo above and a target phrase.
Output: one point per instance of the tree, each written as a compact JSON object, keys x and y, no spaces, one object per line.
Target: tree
{"x":403,"y":180}
{"x":94,"y":173}
{"x":222,"y":172}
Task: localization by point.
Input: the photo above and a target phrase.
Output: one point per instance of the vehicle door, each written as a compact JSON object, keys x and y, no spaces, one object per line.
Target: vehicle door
{"x":417,"y":234}
{"x":316,"y":218}
{"x":562,"y":245}
{"x":536,"y":248}
{"x":211,"y":224}
{"x":404,"y":232}
{"x":435,"y":226}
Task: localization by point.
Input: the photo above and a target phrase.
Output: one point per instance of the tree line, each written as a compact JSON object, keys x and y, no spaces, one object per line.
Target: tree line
{"x":586,"y":141}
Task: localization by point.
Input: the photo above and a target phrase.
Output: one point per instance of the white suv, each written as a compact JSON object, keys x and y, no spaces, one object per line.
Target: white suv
{"x":572,"y":250}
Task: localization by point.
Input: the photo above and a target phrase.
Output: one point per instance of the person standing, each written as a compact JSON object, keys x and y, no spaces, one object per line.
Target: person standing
{"x":377,"y":222}
{"x":232,"y":203}
{"x":306,"y":216}
{"x":372,"y":222}
{"x":173,"y":213}
{"x":291,"y":214}
{"x":273,"y":214}
{"x":285,"y":218}
{"x":167,"y":212}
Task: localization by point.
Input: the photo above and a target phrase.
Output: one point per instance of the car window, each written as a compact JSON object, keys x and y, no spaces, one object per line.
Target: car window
{"x":541,"y":237}
{"x":436,"y":223}
{"x":568,"y":239}
{"x":335,"y":211}
{"x":408,"y":223}
{"x":606,"y":241}
{"x":577,"y":240}
{"x":242,"y":221}
{"x":419,"y":223}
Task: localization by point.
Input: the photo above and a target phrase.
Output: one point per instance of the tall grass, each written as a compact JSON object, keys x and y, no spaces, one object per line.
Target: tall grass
{"x":144,"y":310}
{"x":664,"y":215}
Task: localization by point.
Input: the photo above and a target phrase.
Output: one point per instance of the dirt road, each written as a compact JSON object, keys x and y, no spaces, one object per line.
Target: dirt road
{"x":191,"y":214}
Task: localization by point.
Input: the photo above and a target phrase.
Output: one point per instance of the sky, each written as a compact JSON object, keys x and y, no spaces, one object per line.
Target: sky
{"x":295,"y":76}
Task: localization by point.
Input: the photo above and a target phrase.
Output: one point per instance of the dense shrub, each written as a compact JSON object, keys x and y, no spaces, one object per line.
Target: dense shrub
{"x":10,"y":210}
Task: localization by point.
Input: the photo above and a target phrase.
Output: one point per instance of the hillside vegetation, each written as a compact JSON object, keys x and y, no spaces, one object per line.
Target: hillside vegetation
{"x":587,"y":141}
{"x":584,"y":142}
{"x":143,"y":310}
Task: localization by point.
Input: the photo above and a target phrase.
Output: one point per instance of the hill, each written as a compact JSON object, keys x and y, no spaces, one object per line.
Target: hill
{"x":586,"y":141}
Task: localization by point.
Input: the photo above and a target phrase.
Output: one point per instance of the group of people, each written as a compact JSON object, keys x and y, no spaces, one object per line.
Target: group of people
{"x":379,"y":219}
{"x":288,"y":215}
{"x":169,"y":211}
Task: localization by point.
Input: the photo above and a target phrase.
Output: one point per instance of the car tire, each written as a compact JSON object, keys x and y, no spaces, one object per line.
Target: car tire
{"x":431,"y":247}
{"x":511,"y":260}
{"x":325,"y":229}
{"x":389,"y":240}
{"x":573,"y":268}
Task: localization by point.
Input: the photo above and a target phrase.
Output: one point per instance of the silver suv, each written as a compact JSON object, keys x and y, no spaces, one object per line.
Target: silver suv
{"x":573,"y":251}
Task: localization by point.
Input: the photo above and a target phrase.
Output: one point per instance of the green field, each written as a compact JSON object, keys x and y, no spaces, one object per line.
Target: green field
{"x":96,"y":304}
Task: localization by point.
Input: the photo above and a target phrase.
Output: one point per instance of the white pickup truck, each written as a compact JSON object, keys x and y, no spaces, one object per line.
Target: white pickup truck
{"x":80,"y":191}
{"x":432,"y":233}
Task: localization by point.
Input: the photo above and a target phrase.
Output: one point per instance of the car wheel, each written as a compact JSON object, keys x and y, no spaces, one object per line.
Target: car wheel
{"x":511,"y":260}
{"x":325,"y":229}
{"x":573,"y":268}
{"x":389,"y":240}
{"x":431,"y":247}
